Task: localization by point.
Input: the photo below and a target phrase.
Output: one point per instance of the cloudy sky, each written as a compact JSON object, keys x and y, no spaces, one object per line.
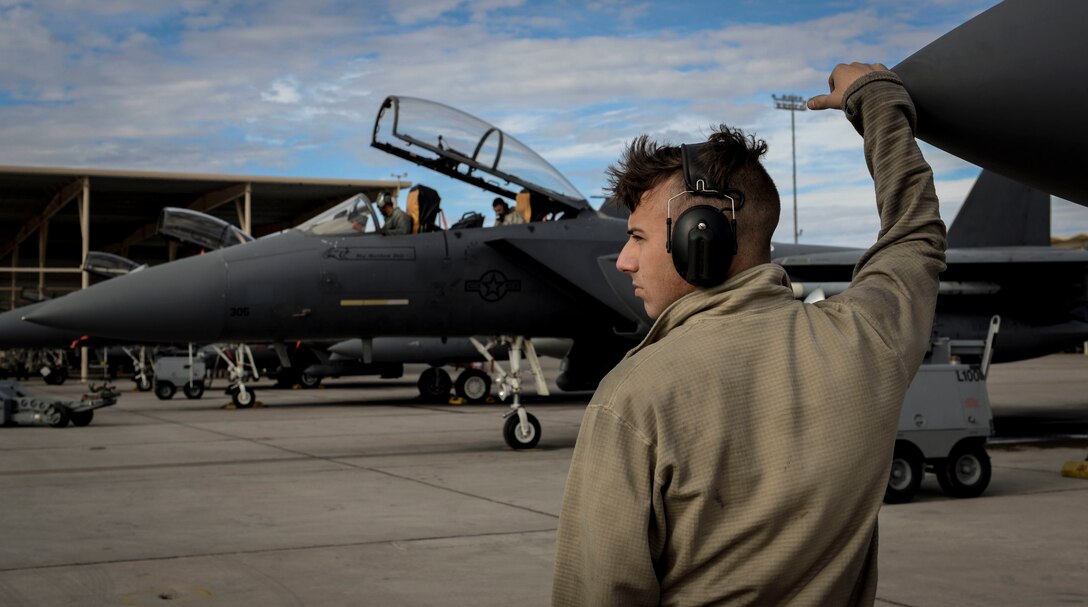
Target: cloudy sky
{"x":276,"y":87}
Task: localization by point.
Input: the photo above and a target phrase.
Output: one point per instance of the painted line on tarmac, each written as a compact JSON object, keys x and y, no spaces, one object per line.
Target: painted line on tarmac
{"x":232,"y":462}
{"x":174,"y":557}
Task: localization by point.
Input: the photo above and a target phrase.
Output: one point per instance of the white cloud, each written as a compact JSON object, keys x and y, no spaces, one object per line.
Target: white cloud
{"x":284,"y":90}
{"x":408,"y":12}
{"x":224,"y":85}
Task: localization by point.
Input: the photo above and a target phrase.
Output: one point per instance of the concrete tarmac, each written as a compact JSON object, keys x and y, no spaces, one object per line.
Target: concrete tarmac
{"x":357,"y":494}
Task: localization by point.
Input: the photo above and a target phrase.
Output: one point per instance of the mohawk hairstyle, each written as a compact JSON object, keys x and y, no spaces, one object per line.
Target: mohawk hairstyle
{"x":732,"y":160}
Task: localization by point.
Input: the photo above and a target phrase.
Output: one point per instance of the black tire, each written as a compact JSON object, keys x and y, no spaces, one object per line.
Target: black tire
{"x":966,"y":472}
{"x":165,"y":390}
{"x":193,"y":390}
{"x":243,"y":399}
{"x":434,"y":385}
{"x":515,"y":438}
{"x":82,"y":418}
{"x":143,"y":383}
{"x":58,"y":416}
{"x":473,"y":385}
{"x":286,"y":379}
{"x":55,"y":377}
{"x":908,"y":467}
{"x":308,"y":381}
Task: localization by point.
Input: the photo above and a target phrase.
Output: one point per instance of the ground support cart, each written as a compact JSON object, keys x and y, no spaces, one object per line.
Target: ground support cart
{"x":945,"y":422}
{"x":21,"y":406}
{"x":179,"y":372}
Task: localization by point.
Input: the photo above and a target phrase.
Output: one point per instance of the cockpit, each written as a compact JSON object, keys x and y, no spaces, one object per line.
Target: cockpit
{"x":360,"y":215}
{"x":466,"y":148}
{"x":356,"y":215}
{"x":461,"y":146}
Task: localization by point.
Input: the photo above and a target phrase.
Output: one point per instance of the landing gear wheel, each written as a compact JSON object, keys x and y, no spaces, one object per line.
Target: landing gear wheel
{"x":966,"y":472}
{"x":82,"y":418}
{"x":908,"y":466}
{"x":57,"y":416}
{"x":473,"y":385}
{"x":434,"y":385}
{"x":243,"y":399}
{"x":308,"y":381}
{"x":286,"y":379}
{"x":143,"y":383}
{"x":193,"y":390}
{"x":55,"y":377}
{"x":165,"y":390}
{"x":515,"y":437}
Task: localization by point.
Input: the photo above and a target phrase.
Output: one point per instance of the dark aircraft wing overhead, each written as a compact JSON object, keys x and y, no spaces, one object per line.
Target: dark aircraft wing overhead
{"x":464,"y":147}
{"x":1007,"y":91}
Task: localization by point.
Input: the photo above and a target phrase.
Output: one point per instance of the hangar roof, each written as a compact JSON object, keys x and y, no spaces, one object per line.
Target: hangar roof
{"x":125,"y":205}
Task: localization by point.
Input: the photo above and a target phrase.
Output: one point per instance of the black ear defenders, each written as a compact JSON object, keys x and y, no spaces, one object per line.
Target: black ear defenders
{"x":704,"y":241}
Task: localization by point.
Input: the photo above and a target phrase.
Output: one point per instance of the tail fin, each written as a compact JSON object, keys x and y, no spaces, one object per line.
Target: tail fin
{"x":1000,"y":212}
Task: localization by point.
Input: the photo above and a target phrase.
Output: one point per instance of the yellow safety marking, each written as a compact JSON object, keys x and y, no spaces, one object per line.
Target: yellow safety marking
{"x":1076,"y":469}
{"x":373,"y":302}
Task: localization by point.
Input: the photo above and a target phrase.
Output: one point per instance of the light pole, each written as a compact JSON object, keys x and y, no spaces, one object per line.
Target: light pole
{"x":397,"y":176}
{"x":793,"y":103}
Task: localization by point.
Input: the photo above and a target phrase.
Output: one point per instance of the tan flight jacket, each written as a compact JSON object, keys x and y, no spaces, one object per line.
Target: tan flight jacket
{"x":739,"y":454}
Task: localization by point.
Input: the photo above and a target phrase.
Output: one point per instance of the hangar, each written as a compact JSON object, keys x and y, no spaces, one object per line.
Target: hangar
{"x":70,"y":211}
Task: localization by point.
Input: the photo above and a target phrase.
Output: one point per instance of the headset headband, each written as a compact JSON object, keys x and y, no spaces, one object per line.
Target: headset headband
{"x":698,"y":182}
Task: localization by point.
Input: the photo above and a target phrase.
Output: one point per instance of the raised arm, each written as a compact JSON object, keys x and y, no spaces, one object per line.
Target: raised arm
{"x":895,"y":282}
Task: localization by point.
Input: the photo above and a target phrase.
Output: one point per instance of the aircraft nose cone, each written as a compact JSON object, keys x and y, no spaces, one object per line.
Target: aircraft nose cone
{"x":17,"y":333}
{"x":181,"y":301}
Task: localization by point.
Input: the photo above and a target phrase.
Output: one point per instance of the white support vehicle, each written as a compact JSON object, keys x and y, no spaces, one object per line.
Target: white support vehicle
{"x":184,"y":372}
{"x":945,"y":422}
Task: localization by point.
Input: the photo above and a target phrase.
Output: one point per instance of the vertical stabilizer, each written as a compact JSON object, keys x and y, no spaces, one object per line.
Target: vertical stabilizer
{"x":1000,"y":212}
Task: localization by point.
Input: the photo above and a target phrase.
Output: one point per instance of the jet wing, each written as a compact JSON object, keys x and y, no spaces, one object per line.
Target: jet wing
{"x":953,"y":257}
{"x":1022,"y":273}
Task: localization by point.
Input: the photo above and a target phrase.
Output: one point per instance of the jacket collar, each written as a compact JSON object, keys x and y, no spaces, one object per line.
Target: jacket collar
{"x":760,"y":287}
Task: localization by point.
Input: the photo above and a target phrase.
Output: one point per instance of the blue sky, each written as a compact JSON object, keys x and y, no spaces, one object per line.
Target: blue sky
{"x":275,"y":87}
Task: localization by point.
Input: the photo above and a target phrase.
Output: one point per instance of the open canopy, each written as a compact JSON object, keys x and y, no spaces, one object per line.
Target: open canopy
{"x":464,"y":147}
{"x":199,"y":229}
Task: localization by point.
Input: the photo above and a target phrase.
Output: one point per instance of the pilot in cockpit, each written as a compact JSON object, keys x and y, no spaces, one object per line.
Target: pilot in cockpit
{"x":359,"y":217}
{"x":503,"y":215}
{"x":396,"y":220}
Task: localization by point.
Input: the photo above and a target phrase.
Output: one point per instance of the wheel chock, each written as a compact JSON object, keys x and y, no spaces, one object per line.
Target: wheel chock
{"x":456,"y":400}
{"x":1076,"y":469}
{"x":230,"y":406}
